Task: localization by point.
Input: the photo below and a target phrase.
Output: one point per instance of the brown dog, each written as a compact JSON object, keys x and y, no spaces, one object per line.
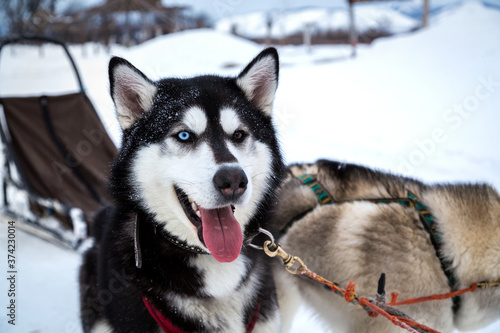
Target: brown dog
{"x":356,"y":239}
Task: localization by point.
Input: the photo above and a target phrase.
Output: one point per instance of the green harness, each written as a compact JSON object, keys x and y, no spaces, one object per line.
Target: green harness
{"x":427,"y":219}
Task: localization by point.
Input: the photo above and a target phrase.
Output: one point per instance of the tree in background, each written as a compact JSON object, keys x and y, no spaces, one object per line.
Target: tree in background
{"x":126,"y":22}
{"x":27,"y":16}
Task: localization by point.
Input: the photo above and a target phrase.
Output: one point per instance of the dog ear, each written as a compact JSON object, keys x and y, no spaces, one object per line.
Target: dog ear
{"x":131,"y":91}
{"x":259,"y":79}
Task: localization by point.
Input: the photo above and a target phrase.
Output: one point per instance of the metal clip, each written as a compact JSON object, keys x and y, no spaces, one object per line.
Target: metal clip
{"x":265,"y":232}
{"x":494,"y":283}
{"x":273,"y":250}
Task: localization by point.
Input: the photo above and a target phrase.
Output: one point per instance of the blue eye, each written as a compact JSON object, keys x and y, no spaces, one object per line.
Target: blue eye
{"x":184,"y":136}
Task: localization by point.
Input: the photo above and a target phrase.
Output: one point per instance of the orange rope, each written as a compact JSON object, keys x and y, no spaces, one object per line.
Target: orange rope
{"x":396,"y":317}
{"x":406,"y":323}
{"x":350,"y":296}
{"x":373,"y":310}
{"x":394,"y":296}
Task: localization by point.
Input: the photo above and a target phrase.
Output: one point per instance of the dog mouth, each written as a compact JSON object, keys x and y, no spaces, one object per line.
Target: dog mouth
{"x":217,"y":228}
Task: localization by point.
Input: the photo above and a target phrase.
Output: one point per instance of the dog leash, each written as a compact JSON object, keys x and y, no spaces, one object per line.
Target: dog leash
{"x":374,"y":307}
{"x":426,"y":218}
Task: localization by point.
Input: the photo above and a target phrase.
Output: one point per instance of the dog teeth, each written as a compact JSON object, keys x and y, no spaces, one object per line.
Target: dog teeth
{"x":196,"y":210}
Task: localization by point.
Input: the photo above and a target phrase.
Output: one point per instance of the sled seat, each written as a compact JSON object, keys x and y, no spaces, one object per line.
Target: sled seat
{"x":61,"y":153}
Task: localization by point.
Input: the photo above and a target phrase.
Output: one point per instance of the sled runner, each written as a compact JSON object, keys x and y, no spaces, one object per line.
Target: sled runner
{"x":57,"y":156}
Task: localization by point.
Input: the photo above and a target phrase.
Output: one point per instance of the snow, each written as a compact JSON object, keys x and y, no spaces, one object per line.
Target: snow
{"x":423,"y":104}
{"x":169,"y":56}
{"x":412,"y":105}
{"x":47,"y":286}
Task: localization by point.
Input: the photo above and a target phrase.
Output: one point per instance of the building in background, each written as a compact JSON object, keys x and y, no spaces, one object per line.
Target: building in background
{"x":126,"y":22}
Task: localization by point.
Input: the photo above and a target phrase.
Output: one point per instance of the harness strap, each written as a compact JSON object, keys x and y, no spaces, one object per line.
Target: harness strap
{"x":324,"y":197}
{"x":426,"y":218}
{"x":165,"y":323}
{"x":253,"y":320}
{"x":168,"y":327}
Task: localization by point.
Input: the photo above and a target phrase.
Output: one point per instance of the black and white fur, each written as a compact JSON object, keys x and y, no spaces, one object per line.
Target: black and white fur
{"x":188,"y":144}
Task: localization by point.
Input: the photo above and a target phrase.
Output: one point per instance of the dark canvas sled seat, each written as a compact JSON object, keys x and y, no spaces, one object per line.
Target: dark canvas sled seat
{"x":62,"y":155}
{"x":62,"y":147}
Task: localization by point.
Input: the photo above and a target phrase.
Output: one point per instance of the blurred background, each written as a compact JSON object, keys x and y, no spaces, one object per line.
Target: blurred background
{"x":406,"y":86}
{"x":131,"y":22}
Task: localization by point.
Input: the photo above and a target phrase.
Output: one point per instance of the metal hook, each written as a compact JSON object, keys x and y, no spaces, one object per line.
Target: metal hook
{"x":265,"y":232}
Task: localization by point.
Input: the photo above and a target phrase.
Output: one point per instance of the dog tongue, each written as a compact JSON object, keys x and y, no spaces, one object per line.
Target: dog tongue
{"x":221,"y":233}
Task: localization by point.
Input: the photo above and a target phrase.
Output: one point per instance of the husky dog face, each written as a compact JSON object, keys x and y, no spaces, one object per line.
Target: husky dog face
{"x":198,"y":154}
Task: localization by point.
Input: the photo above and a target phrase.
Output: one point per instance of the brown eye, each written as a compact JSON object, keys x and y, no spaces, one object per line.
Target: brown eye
{"x":238,"y":136}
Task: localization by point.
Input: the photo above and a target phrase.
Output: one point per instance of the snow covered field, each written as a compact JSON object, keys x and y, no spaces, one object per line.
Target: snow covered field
{"x":425,"y":105}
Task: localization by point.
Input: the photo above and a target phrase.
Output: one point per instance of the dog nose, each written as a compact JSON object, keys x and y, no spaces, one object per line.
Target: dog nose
{"x":230,"y":182}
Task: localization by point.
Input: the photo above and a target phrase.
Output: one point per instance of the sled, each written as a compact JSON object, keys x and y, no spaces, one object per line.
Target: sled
{"x":57,"y":156}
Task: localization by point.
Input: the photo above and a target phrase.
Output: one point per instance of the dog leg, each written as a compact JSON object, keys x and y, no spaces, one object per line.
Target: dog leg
{"x":288,"y":296}
{"x":102,"y":326}
{"x":272,"y":325}
{"x":89,"y":307}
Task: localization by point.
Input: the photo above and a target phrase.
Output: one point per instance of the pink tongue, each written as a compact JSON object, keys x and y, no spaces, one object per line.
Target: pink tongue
{"x":221,"y":233}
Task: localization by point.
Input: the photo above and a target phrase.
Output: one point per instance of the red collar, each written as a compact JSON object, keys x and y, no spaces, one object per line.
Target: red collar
{"x":168,"y":327}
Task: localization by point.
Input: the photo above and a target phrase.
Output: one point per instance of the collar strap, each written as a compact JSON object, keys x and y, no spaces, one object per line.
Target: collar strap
{"x":426,"y":218}
{"x":180,"y":243}
{"x":139,"y":219}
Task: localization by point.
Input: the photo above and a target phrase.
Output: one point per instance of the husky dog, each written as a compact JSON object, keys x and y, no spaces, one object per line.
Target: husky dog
{"x":356,"y":239}
{"x":194,"y":180}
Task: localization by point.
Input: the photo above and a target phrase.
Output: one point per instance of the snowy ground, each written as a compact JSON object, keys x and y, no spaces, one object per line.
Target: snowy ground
{"x":424,"y":105}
